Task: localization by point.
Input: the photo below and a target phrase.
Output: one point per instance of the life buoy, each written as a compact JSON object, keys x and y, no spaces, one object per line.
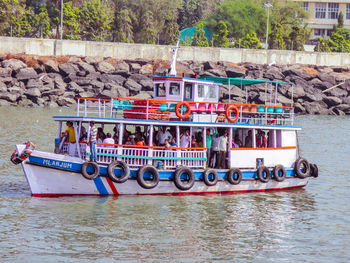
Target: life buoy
{"x":181,"y":182}
{"x":178,"y":109}
{"x":302,"y":168}
{"x":17,"y":158}
{"x":279,"y":173}
{"x":210,"y":177}
{"x":111,"y":171}
{"x":234,"y":176}
{"x":90,"y":175}
{"x":263,"y":174}
{"x":150,"y":181}
{"x":228,"y":113}
{"x":314,"y":170}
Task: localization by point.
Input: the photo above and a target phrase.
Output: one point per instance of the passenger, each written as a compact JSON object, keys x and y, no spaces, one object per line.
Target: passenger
{"x":194,"y":143}
{"x":108,"y":140}
{"x":100,"y":133}
{"x":215,"y":147}
{"x":248,"y":140}
{"x":92,"y":138}
{"x":238,"y":143}
{"x":173,"y":142}
{"x":162,"y":135}
{"x":222,"y":151}
{"x":128,"y":141}
{"x":209,"y":139}
{"x":263,"y":140}
{"x":200,"y":139}
{"x":72,"y":148}
{"x":138,"y":134}
{"x":132,"y":140}
{"x":185,"y":139}
{"x":140,"y":141}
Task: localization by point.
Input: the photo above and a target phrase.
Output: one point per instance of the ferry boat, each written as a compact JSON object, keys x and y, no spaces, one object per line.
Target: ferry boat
{"x":189,"y":143}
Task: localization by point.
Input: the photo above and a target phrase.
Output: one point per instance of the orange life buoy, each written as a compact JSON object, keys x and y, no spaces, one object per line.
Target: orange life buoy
{"x":178,"y":109}
{"x":228,"y":112}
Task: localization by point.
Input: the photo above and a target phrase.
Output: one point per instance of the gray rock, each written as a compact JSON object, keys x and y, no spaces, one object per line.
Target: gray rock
{"x":297,"y":72}
{"x":146,"y":69}
{"x":59,"y":83}
{"x":3,"y":87}
{"x":74,"y":87}
{"x":273,"y":73}
{"x":51,"y":66}
{"x":14,"y":64}
{"x":209,"y":65}
{"x":24,"y":102}
{"x":74,"y":59}
{"x":132,"y":85}
{"x":34,"y":83}
{"x":147,"y":84}
{"x":105,"y":67}
{"x":26,"y":73}
{"x":138,"y":77}
{"x":4,"y":103}
{"x":234,"y":72}
{"x":298,"y":108}
{"x":122,"y":66}
{"x":332,"y":101}
{"x":346,"y":100}
{"x":97,"y":85}
{"x":116,"y":90}
{"x":51,"y":104}
{"x":56,"y":92}
{"x":343,"y":107}
{"x":68,"y":95}
{"x":16,"y":90}
{"x":5,"y":72}
{"x":336,"y":111}
{"x":318,"y":107}
{"x":8,"y":96}
{"x":33,"y":92}
{"x":298,"y":92}
{"x":64,"y":101}
{"x":216,"y":72}
{"x":135,"y":67}
{"x":68,"y":68}
{"x":337,"y":92}
{"x":93,"y":60}
{"x":86,"y":94}
{"x":86,"y":67}
{"x":7,"y":81}
{"x":327,"y":78}
{"x":116,"y":79}
{"x":142,"y":95}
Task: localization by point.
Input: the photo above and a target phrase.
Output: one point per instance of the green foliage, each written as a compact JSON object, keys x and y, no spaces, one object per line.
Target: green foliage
{"x":71,"y":26}
{"x":123,"y":31}
{"x":322,"y":45}
{"x":220,"y":35}
{"x":95,"y":20}
{"x":199,"y":38}
{"x":242,"y":17}
{"x":288,"y":29}
{"x":250,"y":41}
{"x":171,"y":33}
{"x":340,"y":19}
{"x":147,"y":33}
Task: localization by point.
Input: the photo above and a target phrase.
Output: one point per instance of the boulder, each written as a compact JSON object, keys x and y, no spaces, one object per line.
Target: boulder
{"x":135,"y":67}
{"x":108,"y":78}
{"x":7,"y":81}
{"x":86,"y":94}
{"x":33,"y":92}
{"x":132,"y":85}
{"x":147,"y":84}
{"x":14,"y":64}
{"x":332,"y":101}
{"x":93,"y":60}
{"x":74,"y":59}
{"x":65,"y":101}
{"x":298,"y":108}
{"x":24,"y":102}
{"x":105,"y":67}
{"x":86,"y":67}
{"x":346,"y":100}
{"x":327,"y":78}
{"x":68,"y":94}
{"x":55,"y":92}
{"x":273,"y":73}
{"x":8,"y":96}
{"x":68,"y":69}
{"x":51,"y":66}
{"x":116,"y":90}
{"x":59,"y":83}
{"x":34,"y":83}
{"x":5,"y":72}
{"x":3,"y":87}
{"x":343,"y":107}
{"x":51,"y":104}
{"x":16,"y":90}
{"x":318,"y":107}
{"x":346,"y":85}
{"x":216,"y":72}
{"x":234,"y":71}
{"x":146,"y":69}
{"x":337,"y":92}
{"x":26,"y":73}
{"x":72,"y":86}
{"x":4,"y":103}
{"x":97,"y":85}
{"x":293,"y":71}
{"x":209,"y":65}
{"x":122,"y":66}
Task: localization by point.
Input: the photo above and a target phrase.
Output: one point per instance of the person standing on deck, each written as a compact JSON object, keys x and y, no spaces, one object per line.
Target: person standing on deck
{"x":209,"y":139}
{"x":185,"y":139}
{"x":72,"y":148}
{"x":222,"y":149}
{"x":214,"y":152}
{"x":162,"y":135}
{"x":92,"y":138}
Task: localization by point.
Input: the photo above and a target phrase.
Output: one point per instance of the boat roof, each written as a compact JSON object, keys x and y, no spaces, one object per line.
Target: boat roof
{"x":241,"y":81}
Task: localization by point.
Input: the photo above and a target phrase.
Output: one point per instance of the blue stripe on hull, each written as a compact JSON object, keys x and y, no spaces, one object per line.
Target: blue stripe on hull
{"x":100,"y":186}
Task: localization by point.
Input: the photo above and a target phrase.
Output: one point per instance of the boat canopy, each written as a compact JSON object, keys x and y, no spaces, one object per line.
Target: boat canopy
{"x":241,"y":81}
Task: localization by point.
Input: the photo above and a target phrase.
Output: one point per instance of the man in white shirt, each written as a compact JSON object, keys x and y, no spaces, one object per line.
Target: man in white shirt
{"x":222,"y":151}
{"x":185,"y":139}
{"x":163,"y":135}
{"x":108,"y":140}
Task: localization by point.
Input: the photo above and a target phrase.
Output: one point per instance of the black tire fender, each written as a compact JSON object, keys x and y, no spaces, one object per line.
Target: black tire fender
{"x":260,"y":173}
{"x":299,"y":164}
{"x":148,"y":184}
{"x":90,"y":176}
{"x":314,"y":170}
{"x":206,"y":177}
{"x":184,"y":184}
{"x":276,"y":173}
{"x":118,"y":179}
{"x":231,"y":176}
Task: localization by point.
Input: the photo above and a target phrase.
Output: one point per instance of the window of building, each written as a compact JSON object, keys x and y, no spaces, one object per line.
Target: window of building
{"x":321,"y":9}
{"x":347,"y":11}
{"x":319,"y":32}
{"x":333,"y":10}
{"x":306,"y":6}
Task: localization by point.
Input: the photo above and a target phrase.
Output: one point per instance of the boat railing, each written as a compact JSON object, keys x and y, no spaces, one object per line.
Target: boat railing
{"x":149,"y":109}
{"x":138,"y":156}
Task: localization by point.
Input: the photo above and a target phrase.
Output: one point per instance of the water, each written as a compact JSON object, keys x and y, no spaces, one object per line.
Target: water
{"x":304,"y":225}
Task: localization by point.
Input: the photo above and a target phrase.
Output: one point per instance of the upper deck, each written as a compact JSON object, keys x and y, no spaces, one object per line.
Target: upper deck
{"x":191,"y":100}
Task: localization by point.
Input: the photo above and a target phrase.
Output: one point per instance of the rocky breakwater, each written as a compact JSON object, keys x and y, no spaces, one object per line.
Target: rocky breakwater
{"x":55,"y":81}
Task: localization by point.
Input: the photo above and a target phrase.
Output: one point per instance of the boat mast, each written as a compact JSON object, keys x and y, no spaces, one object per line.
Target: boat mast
{"x":173,"y":62}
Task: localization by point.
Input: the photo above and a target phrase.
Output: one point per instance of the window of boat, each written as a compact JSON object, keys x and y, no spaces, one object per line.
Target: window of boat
{"x":174,"y":88}
{"x":160,"y":90}
{"x":212,"y":92}
{"x":201,"y":91}
{"x":188,"y":91}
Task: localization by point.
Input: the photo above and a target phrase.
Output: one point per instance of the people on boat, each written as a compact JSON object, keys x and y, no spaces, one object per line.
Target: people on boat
{"x":215,"y":150}
{"x":92,"y":139}
{"x":222,"y":151}
{"x":194,"y":143}
{"x":140,"y":141}
{"x":108,"y":140}
{"x":237,"y":143}
{"x":209,"y":140}
{"x":248,"y":140}
{"x":162,"y":135}
{"x":185,"y":139}
{"x":72,"y":148}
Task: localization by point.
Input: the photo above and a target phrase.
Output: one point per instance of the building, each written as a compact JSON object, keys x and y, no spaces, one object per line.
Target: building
{"x":324,"y":15}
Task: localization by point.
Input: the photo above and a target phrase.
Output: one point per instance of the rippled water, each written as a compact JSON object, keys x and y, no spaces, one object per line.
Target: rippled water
{"x":304,"y":225}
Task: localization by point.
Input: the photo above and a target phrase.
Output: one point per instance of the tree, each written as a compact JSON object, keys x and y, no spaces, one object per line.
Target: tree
{"x":171,"y":33}
{"x":322,"y":45}
{"x":71,"y":26}
{"x":220,"y":35}
{"x":250,"y":41}
{"x":147,"y":32}
{"x":199,"y":38}
{"x":241,"y":17}
{"x":123,"y":30}
{"x":95,"y":20}
{"x":340,"y":19}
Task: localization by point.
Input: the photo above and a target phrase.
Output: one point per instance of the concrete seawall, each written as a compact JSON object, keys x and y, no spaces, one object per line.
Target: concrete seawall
{"x":124,"y":51}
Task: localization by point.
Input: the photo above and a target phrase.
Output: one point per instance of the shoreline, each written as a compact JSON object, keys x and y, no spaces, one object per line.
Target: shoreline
{"x":44,"y":81}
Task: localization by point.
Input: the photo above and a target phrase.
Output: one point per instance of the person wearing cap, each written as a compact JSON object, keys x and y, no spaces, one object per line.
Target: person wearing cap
{"x":92,"y":137}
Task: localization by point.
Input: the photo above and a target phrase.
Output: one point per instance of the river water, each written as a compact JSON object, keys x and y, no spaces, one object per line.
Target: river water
{"x":304,"y":225}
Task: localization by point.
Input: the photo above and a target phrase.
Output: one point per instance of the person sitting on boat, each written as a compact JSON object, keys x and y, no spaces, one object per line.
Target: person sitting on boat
{"x":185,"y":139}
{"x":140,"y":141}
{"x":237,"y":143}
{"x":92,"y":139}
{"x":173,"y":142}
{"x":194,"y":143}
{"x":222,"y":151}
{"x":108,"y":140}
{"x":248,"y":140}
{"x":263,"y":140}
{"x":72,"y":149}
{"x":199,"y":139}
{"x":162,"y":135}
